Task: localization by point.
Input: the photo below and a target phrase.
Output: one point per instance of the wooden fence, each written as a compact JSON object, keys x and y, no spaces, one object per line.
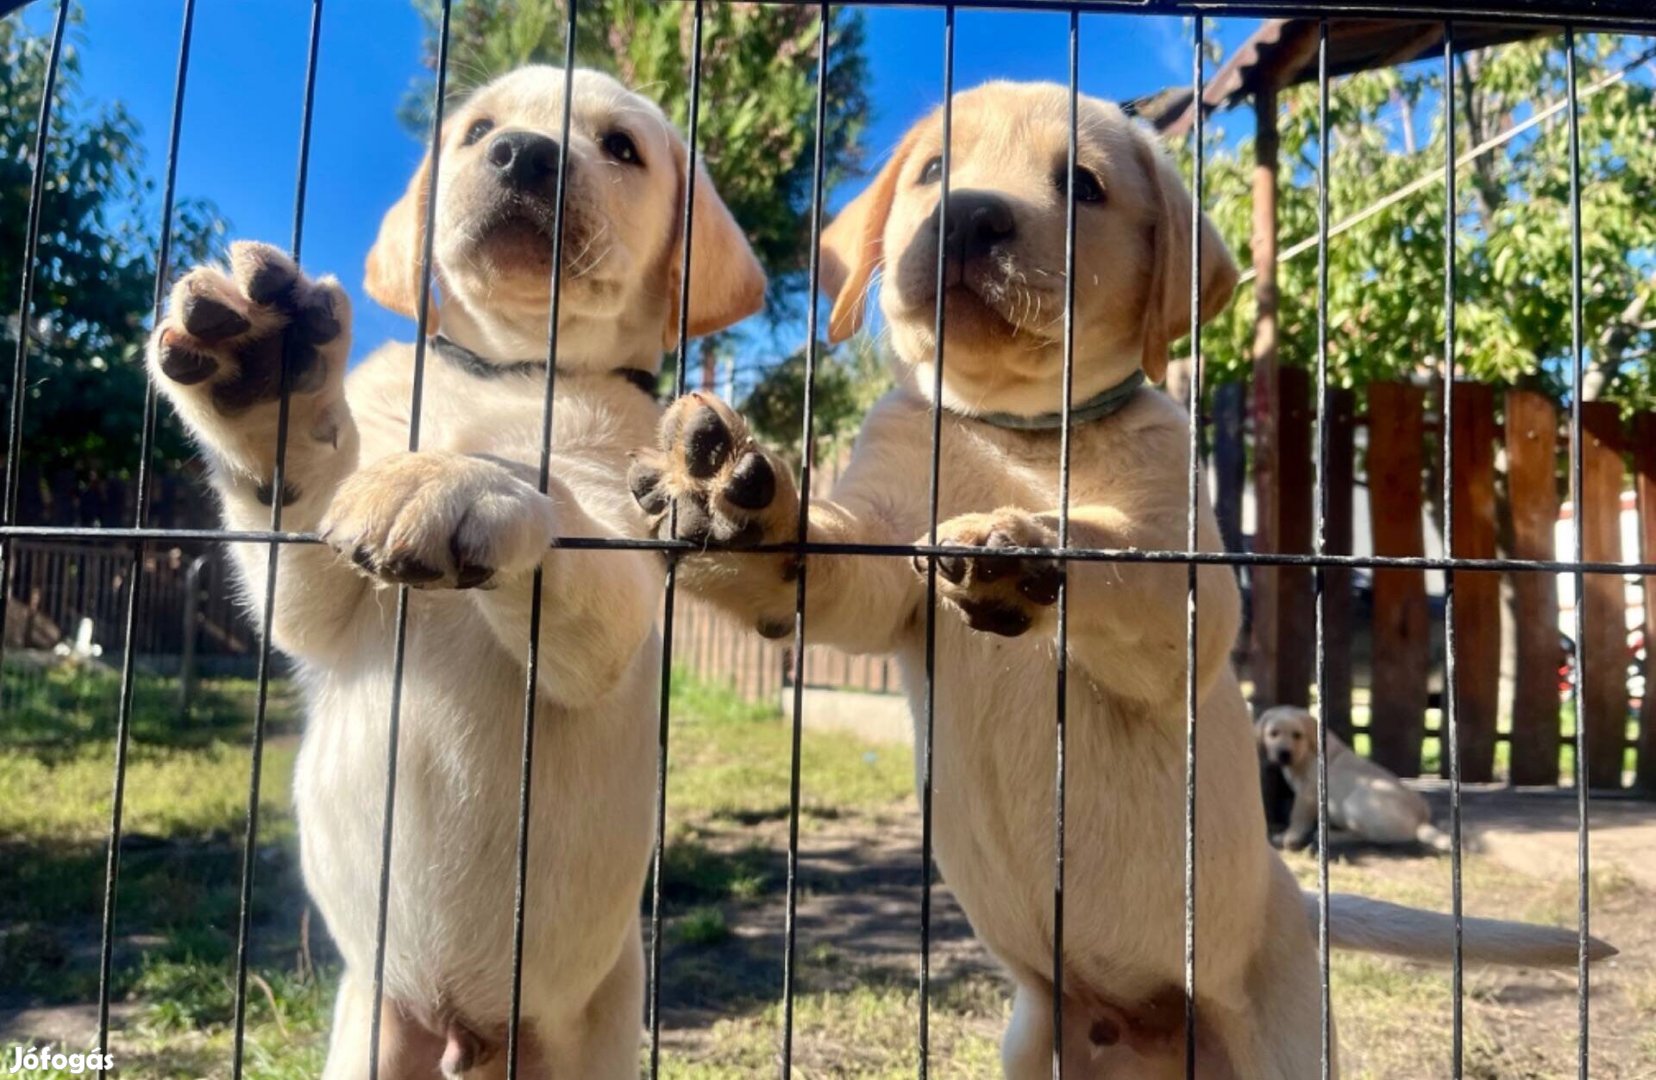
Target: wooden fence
{"x":1511,"y":458}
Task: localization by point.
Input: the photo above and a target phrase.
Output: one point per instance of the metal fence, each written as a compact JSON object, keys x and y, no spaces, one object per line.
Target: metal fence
{"x":134,"y":540}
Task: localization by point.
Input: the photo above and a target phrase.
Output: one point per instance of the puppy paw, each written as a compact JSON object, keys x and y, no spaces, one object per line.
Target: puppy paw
{"x":998,"y":594}
{"x":437,"y":520}
{"x":709,"y":477}
{"x":227,"y":339}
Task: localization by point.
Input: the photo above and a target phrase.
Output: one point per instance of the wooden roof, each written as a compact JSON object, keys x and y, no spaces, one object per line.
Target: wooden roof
{"x":1283,"y":52}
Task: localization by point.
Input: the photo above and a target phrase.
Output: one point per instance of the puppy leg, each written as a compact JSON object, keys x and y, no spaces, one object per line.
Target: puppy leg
{"x":1274,"y":1032}
{"x":220,"y":356}
{"x":440,"y":520}
{"x":1302,"y":821}
{"x":709,"y":475}
{"x":602,"y":1041}
{"x":407,"y":1051}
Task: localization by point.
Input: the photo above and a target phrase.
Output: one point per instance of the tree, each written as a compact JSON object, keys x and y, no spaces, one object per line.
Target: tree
{"x":1513,"y":248}
{"x":95,"y":271}
{"x":758,"y":88}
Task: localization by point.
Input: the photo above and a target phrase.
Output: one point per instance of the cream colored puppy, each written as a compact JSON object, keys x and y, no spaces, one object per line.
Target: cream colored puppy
{"x":994,"y":758}
{"x":1363,"y":798}
{"x":463,"y":522}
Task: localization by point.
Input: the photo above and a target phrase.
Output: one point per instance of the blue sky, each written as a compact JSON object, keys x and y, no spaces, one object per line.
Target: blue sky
{"x":242,"y":105}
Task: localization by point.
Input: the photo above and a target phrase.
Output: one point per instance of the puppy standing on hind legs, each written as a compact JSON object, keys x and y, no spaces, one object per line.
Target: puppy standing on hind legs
{"x":463,"y":523}
{"x":1257,"y":987}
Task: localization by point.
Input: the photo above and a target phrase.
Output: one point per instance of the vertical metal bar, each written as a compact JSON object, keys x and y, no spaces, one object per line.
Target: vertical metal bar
{"x":1320,"y":540}
{"x":25,"y":303}
{"x":935,"y":481}
{"x":658,"y":861}
{"x":1062,"y":704}
{"x":123,"y":722}
{"x":1583,"y":1033}
{"x":400,"y":641}
{"x":790,"y":926}
{"x":1449,"y":730}
{"x":1193,"y":488}
{"x":244,"y":925}
{"x":532,"y":660}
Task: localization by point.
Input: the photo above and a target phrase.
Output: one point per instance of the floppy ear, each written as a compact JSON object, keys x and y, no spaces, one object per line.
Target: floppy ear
{"x":393,"y":272}
{"x":853,"y":245}
{"x":1167,"y":304}
{"x":727,"y":284}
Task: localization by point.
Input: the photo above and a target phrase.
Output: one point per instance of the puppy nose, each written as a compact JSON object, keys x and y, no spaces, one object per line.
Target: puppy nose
{"x":524,"y":160}
{"x":978,"y":221}
{"x":1284,"y":757}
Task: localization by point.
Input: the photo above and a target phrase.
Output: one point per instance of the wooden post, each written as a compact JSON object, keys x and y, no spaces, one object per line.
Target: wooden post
{"x":1295,"y":600}
{"x":1401,"y":635}
{"x":1339,"y":600}
{"x":1604,"y":689}
{"x":1266,"y":403}
{"x":1477,"y":593}
{"x":1644,"y":471}
{"x":1532,"y":489}
{"x":1230,"y":461}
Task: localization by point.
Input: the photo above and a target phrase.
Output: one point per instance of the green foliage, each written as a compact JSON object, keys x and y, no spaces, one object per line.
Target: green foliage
{"x":95,"y":273}
{"x":1513,"y":246}
{"x":848,"y":381}
{"x":758,"y":92}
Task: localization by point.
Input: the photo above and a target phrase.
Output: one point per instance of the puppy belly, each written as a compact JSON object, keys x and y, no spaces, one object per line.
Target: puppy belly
{"x":994,"y":789}
{"x":454,"y":844}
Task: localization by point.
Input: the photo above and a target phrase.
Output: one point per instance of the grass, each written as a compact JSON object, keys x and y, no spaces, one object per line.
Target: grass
{"x":723,"y":884}
{"x":183,"y":818}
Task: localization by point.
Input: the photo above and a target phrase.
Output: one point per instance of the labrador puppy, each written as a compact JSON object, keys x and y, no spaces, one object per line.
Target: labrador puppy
{"x":1363,"y":798}
{"x":994,"y":757}
{"x":464,"y":523}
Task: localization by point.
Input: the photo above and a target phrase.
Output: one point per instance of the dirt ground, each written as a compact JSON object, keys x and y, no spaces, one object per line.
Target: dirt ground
{"x":858,"y":919}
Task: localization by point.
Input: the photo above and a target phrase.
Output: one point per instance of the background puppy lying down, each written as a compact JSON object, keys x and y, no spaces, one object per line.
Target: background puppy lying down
{"x":993,"y":756}
{"x":1363,"y":798}
{"x":463,"y":522}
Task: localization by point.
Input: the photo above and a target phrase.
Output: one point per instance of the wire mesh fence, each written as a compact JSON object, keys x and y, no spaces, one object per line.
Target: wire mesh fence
{"x":27,"y":547}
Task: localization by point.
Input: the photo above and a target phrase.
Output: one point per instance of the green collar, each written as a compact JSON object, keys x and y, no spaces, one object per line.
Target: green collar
{"x":1106,"y":402}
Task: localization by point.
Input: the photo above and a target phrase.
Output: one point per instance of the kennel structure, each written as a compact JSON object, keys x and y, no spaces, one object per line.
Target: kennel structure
{"x":1309,"y":44}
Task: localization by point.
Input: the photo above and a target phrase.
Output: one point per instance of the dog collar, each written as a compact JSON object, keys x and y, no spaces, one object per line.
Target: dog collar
{"x":478,"y":368}
{"x":1104,"y":403}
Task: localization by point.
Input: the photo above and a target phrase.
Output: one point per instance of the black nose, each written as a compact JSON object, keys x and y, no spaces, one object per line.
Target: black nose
{"x":525,"y":160}
{"x":1285,"y":757}
{"x":977,"y":222}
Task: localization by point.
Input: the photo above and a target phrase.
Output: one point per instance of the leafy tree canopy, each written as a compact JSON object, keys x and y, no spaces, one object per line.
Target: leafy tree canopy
{"x":94,"y":287}
{"x":1513,"y":246}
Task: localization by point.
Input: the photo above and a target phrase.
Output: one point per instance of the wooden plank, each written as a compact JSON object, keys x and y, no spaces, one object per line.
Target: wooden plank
{"x":1604,"y":672}
{"x":1644,"y":471}
{"x":1339,"y":598}
{"x":1477,"y":594}
{"x":1401,"y":633}
{"x":1296,"y":650}
{"x":1263,"y":642}
{"x":1532,"y":494}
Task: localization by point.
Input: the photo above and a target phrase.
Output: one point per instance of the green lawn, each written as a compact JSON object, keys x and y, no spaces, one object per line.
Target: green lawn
{"x":184,"y":815}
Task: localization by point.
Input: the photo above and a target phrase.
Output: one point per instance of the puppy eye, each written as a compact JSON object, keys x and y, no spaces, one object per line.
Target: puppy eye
{"x":1088,"y":188}
{"x":619,"y":145}
{"x":478,"y":129}
{"x":932,"y":173}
